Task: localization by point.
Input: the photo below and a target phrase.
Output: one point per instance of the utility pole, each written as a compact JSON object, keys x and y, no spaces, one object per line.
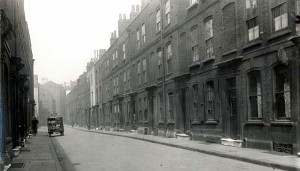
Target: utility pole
{"x":163,"y":68}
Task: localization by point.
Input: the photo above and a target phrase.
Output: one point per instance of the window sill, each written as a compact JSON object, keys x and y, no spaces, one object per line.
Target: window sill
{"x":196,"y":122}
{"x":255,"y":122}
{"x":229,"y":52}
{"x":168,"y":24}
{"x":211,"y":122}
{"x":282,"y":123}
{"x":209,"y":59}
{"x":279,"y":33}
{"x":252,"y":44}
{"x":169,"y":74}
{"x":192,"y":6}
{"x":194,"y":65}
{"x":171,"y":122}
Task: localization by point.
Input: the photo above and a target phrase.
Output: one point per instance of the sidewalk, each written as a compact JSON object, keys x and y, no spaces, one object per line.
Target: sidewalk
{"x":260,"y":157}
{"x":37,"y":155}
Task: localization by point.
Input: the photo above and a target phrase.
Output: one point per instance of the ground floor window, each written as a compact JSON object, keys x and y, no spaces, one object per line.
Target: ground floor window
{"x":254,"y":95}
{"x":282,"y":92}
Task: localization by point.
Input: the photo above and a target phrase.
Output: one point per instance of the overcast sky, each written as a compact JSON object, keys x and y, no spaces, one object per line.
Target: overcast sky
{"x":65,"y":33}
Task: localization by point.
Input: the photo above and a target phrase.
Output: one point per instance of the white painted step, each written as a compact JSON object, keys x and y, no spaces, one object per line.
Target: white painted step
{"x":182,"y":136}
{"x":231,"y":142}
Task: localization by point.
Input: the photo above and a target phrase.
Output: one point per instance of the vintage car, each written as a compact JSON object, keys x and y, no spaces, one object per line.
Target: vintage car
{"x":55,"y":125}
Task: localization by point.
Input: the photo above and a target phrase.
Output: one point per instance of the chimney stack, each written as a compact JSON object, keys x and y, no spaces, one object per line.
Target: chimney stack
{"x":113,"y":37}
{"x":123,"y":23}
{"x":135,"y":9}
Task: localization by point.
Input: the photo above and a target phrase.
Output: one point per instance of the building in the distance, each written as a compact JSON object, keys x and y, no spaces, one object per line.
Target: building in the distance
{"x":52,"y":98}
{"x":213,"y":70}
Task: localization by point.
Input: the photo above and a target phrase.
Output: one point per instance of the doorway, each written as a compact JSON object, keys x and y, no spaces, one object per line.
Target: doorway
{"x":232,"y":107}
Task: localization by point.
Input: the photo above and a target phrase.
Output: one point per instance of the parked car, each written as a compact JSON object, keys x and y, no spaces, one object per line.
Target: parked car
{"x":55,"y":124}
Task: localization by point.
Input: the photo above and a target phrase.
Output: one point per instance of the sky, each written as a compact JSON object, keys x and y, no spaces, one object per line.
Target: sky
{"x":65,"y":33}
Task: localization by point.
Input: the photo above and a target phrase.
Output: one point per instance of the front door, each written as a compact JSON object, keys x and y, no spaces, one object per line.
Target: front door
{"x":183,"y":107}
{"x":232,"y":107}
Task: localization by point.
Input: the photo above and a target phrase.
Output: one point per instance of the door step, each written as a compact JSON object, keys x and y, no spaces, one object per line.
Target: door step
{"x":182,"y":136}
{"x":231,"y":142}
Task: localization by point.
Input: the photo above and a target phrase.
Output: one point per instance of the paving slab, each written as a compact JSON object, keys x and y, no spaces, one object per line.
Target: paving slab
{"x":37,"y":155}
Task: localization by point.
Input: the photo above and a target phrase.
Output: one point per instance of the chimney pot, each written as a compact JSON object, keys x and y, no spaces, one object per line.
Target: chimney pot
{"x":132,"y":8}
{"x":124,"y":16}
{"x":137,"y":8}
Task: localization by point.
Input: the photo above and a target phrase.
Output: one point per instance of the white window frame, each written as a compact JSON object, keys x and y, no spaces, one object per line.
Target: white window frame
{"x":280,"y":21}
{"x":168,"y":9}
{"x":250,"y":4}
{"x":253,"y":29}
{"x":158,"y":21}
{"x":143,"y":33}
{"x":138,"y":40}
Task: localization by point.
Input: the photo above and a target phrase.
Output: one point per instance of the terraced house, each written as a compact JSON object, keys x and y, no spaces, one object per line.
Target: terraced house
{"x":16,"y":79}
{"x":215,"y":70}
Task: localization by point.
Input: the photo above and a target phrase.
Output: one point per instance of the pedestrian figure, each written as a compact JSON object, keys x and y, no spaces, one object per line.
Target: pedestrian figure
{"x":34,"y":124}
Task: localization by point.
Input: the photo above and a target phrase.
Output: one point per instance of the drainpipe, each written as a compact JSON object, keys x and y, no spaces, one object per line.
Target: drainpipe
{"x":163,"y":68}
{"x":296,"y":41}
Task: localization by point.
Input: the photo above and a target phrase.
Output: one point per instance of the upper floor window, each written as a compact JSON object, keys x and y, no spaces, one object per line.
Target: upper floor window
{"x":209,"y":38}
{"x":282,"y":92}
{"x":158,"y":21}
{"x":168,"y":9}
{"x":125,"y":80}
{"x":191,"y":3}
{"x":138,"y":40}
{"x":139,"y":73}
{"x":280,"y":17}
{"x":251,"y":4}
{"x":144,"y":71}
{"x":254,"y":95}
{"x":169,"y":58}
{"x":159,"y":56}
{"x":143,"y":33}
{"x":124,"y":50}
{"x":253,"y":29}
{"x":194,"y":38}
{"x":128,"y":78}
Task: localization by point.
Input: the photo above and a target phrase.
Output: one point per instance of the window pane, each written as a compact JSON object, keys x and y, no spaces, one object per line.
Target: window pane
{"x":277,"y":23}
{"x":284,"y":18}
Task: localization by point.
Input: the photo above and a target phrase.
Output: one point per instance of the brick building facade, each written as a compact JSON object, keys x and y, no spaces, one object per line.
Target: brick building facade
{"x":16,"y":79}
{"x":211,"y":69}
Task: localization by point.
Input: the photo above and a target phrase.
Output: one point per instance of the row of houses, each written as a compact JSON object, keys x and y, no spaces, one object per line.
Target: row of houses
{"x":211,"y":69}
{"x":16,"y":79}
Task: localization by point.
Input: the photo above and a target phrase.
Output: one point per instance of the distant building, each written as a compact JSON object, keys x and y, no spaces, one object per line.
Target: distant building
{"x":52,"y":98}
